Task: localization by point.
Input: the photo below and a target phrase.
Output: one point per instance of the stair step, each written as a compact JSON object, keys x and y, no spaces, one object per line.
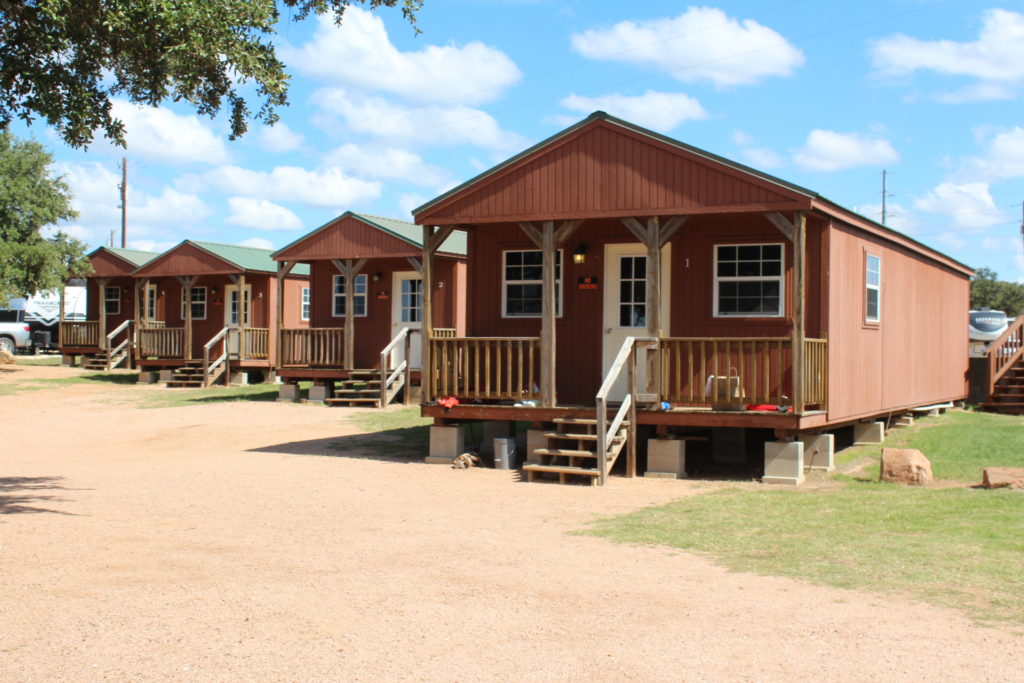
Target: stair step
{"x":561,"y":469}
{"x":565,"y":452}
{"x":352,"y":400}
{"x":578,"y":437}
{"x":581,"y":421}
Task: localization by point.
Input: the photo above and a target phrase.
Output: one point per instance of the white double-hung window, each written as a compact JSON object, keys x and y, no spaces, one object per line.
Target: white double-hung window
{"x":749,"y":280}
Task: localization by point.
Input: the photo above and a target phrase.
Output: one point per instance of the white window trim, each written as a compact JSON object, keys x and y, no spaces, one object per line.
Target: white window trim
{"x":559,"y":288}
{"x":151,"y":298}
{"x":878,"y":288}
{"x":205,"y":303}
{"x":304,"y":304}
{"x":403,"y":310}
{"x":116,"y":299}
{"x":781,"y":278}
{"x":365,"y":296}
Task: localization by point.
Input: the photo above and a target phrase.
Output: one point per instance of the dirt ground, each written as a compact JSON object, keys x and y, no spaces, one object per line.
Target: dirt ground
{"x":226,"y":542}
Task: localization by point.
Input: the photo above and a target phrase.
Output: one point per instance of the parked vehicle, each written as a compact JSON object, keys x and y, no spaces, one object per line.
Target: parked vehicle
{"x":41,"y":312}
{"x":14,"y":334}
{"x":985,"y":326}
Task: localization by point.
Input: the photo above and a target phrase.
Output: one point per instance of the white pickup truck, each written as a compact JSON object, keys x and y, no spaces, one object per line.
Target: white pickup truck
{"x":14,"y":335}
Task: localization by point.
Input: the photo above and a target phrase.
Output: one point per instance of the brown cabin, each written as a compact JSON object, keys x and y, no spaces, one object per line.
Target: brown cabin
{"x":104,"y":339}
{"x":362,"y":344}
{"x":226,"y":328}
{"x":625,"y":289}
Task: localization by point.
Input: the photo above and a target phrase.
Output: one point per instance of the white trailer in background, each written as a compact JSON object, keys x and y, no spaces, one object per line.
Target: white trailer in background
{"x":42,"y":313}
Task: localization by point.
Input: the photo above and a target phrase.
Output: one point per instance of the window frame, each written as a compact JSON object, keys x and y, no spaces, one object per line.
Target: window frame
{"x":336,"y":295}
{"x":304,"y":304}
{"x":717,"y":280}
{"x":559,"y":289}
{"x":204,"y":301}
{"x":413,"y":296}
{"x":868,"y":287}
{"x":116,"y":300}
{"x":150,"y":312}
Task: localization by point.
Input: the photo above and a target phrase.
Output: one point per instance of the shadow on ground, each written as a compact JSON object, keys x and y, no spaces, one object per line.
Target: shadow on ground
{"x":113,"y":377}
{"x":404,"y":445}
{"x":23,"y":495}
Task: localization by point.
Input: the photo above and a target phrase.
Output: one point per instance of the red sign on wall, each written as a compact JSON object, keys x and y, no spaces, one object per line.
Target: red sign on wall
{"x":588,"y":282}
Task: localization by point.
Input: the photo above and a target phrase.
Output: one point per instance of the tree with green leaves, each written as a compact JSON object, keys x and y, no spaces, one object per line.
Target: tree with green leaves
{"x":32,"y":202}
{"x":63,"y":60}
{"x":988,"y":291}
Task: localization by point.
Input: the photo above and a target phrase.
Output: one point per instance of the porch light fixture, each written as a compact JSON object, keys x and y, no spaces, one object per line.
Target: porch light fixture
{"x":579,"y":255}
{"x":377,"y":276}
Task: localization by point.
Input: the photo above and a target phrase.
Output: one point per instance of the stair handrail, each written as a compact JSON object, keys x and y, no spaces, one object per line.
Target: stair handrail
{"x":111,"y":352}
{"x":209,"y":367}
{"x":626,"y":358}
{"x":402,"y":370}
{"x":1004,"y":352}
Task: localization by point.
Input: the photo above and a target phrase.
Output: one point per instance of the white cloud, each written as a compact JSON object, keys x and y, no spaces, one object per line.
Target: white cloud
{"x":969,"y":205}
{"x":702,"y":43}
{"x":259,"y":214}
{"x":897,"y":216}
{"x":360,"y":54}
{"x":279,"y":138}
{"x":759,"y":157}
{"x":94,"y":187}
{"x":996,"y":58}
{"x":152,"y":245}
{"x":257,"y":242}
{"x":162,"y":135}
{"x":386,"y":162}
{"x":661,"y":111}
{"x":1003,"y":157}
{"x":408,"y":202}
{"x":426,"y":125}
{"x":326,"y":187}
{"x":827,"y":150}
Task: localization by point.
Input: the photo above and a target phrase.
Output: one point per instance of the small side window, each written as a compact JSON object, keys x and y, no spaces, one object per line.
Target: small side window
{"x":872,"y":289}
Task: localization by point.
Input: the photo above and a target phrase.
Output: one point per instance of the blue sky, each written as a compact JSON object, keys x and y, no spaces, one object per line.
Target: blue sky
{"x":823,"y":94}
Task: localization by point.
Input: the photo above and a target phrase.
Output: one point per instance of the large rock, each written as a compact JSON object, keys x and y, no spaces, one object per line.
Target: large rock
{"x":905,"y":466}
{"x":998,"y":477}
{"x":6,"y":357}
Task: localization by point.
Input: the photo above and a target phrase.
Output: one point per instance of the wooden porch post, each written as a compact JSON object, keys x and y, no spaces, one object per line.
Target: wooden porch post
{"x":140,"y":313}
{"x":549,"y":239}
{"x":349,"y":270}
{"x":101,"y":282}
{"x":186,"y":283}
{"x":243,"y":347}
{"x":283,"y":268}
{"x":796,"y":232}
{"x":799,"y":301}
{"x":431,"y":243}
{"x":427,"y":276}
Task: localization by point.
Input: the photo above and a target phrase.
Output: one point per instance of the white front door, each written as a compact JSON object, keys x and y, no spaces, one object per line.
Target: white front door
{"x":407,"y":311}
{"x":232,"y":310}
{"x":625,"y":304}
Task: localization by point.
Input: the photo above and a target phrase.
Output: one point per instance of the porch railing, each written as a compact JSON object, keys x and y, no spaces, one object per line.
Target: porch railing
{"x":165,"y":342}
{"x":1004,"y":352}
{"x":83,"y":333}
{"x":313,"y":347}
{"x":484,"y":367}
{"x":761,"y":368}
{"x":398,"y":374}
{"x":255,"y":343}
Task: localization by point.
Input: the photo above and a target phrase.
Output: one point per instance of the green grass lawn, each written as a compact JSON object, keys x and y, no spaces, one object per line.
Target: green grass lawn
{"x":47,"y":360}
{"x":388,"y":433}
{"x":958,"y":546}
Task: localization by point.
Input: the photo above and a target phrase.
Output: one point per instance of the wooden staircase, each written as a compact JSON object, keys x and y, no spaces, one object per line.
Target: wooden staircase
{"x":572,"y":453}
{"x":189,"y":375}
{"x":362,"y":388}
{"x":1006,"y":371}
{"x":1007,"y":395}
{"x":104,"y":360}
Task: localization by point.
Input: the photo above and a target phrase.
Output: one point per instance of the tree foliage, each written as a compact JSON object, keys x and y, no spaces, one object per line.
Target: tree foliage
{"x":31,"y":200}
{"x":988,"y":291}
{"x":63,"y":60}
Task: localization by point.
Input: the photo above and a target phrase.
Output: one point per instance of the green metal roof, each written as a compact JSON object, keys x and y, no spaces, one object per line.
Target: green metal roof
{"x":133,"y":256}
{"x":412,"y":233}
{"x":247,"y":258}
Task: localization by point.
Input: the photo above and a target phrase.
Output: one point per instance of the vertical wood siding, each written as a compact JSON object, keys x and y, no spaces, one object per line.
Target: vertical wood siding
{"x":373,"y":332}
{"x":917,"y":354}
{"x":580,"y":330}
{"x":605,"y":170}
{"x":348,"y":235}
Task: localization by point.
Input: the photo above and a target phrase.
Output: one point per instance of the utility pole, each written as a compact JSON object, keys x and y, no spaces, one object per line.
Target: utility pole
{"x":124,"y":202}
{"x":883,"y":197}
